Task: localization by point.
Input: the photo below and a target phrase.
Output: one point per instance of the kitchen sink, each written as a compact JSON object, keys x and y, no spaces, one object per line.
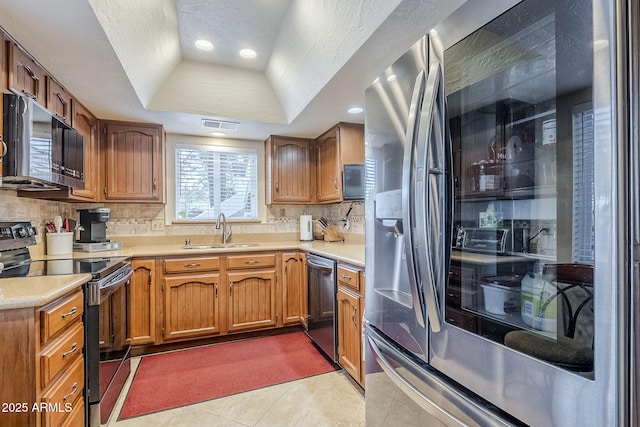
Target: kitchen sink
{"x":240,"y":245}
{"x":203,"y":247}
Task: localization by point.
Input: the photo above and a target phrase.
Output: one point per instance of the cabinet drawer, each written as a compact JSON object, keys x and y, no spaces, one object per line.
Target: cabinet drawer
{"x":61,"y":353}
{"x":182,"y":265}
{"x":251,"y":261}
{"x":76,"y":417}
{"x":59,"y":314}
{"x":349,"y":277}
{"x":64,"y":394}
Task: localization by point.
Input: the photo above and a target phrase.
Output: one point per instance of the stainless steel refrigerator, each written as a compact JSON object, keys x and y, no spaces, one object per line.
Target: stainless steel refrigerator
{"x":501,"y":216}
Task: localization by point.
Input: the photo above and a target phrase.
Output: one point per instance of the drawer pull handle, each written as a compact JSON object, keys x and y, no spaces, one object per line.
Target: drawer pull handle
{"x":74,"y":310}
{"x":193,"y":265}
{"x":252,"y":261}
{"x":74,"y":388}
{"x":346,"y":276}
{"x":74,"y":347}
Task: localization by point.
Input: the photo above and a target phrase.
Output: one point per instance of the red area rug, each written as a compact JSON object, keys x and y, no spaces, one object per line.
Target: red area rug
{"x":174,"y":379}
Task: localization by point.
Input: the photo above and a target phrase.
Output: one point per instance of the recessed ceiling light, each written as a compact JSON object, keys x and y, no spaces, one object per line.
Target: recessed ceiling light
{"x":248,"y":53}
{"x":391,"y":78}
{"x":355,"y":110}
{"x":204,"y":44}
{"x":218,"y":134}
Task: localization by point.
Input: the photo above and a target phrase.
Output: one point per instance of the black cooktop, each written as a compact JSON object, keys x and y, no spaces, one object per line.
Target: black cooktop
{"x":96,"y":266}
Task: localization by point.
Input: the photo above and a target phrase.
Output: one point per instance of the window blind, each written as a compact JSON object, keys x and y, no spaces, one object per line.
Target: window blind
{"x":583,"y":243}
{"x":212,"y":179}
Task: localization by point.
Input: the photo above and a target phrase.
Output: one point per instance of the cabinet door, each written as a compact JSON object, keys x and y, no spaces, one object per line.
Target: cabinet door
{"x":142,"y":302}
{"x":25,"y":75}
{"x":87,"y":125}
{"x":349,"y":332}
{"x":58,"y":100}
{"x":290,"y":170}
{"x":191,"y":306}
{"x":133,"y":162}
{"x":294,"y":288}
{"x":252,"y":300}
{"x":328,"y":183}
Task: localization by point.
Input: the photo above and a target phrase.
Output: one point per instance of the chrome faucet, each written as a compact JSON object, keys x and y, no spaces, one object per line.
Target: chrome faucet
{"x":226,"y":235}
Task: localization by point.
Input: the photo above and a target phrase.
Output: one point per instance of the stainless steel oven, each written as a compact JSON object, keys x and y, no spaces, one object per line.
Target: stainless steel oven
{"x":106,"y":348}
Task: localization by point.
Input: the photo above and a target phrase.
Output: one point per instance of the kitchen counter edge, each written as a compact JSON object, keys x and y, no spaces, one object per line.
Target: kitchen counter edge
{"x":33,"y":292}
{"x":350,"y":253}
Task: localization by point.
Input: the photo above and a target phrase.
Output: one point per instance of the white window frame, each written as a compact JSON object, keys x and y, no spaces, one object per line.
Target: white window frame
{"x":172,"y":210}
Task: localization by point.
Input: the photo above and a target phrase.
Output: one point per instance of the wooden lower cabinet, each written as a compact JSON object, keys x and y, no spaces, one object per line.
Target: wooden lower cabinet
{"x":42,"y":358}
{"x":183,"y":298}
{"x":191,"y":306}
{"x":294,"y":288}
{"x":350,"y":332}
{"x":350,"y":306}
{"x":252,"y":300}
{"x":141,"y":303}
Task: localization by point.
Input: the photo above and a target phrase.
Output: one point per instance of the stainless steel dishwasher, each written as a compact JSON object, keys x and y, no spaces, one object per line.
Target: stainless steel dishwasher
{"x":321,"y":323}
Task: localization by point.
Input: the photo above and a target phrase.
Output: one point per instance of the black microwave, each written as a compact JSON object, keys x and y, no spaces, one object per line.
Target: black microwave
{"x":353,"y":181}
{"x":42,"y":151}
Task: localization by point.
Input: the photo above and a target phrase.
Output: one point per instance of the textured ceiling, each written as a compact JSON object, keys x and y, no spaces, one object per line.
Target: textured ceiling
{"x":231,"y":25}
{"x":133,"y":59}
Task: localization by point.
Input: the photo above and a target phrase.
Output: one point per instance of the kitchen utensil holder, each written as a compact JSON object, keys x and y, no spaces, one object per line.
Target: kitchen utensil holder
{"x":60,"y":243}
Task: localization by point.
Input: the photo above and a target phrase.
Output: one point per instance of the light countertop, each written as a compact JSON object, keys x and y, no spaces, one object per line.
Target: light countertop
{"x":352,"y":253}
{"x":22,"y":292}
{"x":25,"y":292}
{"x":480,"y":258}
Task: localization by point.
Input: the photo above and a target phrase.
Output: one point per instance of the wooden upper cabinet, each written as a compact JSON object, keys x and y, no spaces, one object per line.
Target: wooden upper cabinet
{"x":133,"y":162}
{"x":26,"y":76}
{"x":59,"y":100}
{"x":87,"y":125}
{"x":340,"y":145}
{"x":290,"y":170}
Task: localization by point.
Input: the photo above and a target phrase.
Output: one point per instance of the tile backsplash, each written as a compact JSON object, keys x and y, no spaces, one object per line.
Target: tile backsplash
{"x":137,"y":219}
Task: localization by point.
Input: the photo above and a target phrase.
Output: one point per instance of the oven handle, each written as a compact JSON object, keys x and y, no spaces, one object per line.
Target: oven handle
{"x":99,"y":291}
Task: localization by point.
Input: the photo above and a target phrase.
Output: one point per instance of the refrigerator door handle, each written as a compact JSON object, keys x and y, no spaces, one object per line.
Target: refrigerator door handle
{"x":445,"y":402}
{"x":429,"y":192}
{"x":408,"y":196}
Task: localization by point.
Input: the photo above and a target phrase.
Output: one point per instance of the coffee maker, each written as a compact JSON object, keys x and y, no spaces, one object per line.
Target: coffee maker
{"x":93,"y":225}
{"x":93,"y":231}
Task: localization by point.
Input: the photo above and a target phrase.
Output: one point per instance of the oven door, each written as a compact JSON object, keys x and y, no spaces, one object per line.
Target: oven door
{"x":107,"y":349}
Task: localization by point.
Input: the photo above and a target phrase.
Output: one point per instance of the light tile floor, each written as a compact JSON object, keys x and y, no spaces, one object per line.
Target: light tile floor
{"x":330,"y":400}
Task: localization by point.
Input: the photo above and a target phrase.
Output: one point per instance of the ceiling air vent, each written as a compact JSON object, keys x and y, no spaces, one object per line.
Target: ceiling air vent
{"x":220,"y":124}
